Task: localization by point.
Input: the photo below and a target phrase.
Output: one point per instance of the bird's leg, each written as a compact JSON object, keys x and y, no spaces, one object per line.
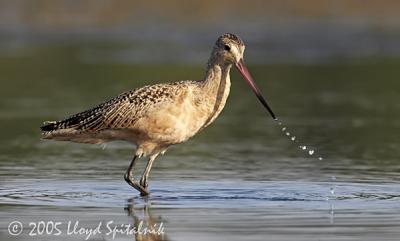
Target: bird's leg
{"x":146,"y":173}
{"x":131,"y":181}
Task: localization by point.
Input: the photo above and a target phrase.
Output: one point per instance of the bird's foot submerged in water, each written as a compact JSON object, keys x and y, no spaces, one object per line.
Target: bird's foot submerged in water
{"x":131,"y":181}
{"x":143,"y":182}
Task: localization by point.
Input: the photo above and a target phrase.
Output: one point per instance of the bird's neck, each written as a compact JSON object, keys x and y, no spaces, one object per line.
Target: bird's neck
{"x":215,"y":90}
{"x":217,"y":78}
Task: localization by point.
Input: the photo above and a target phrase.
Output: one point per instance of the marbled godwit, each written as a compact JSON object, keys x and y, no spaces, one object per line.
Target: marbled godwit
{"x":157,"y":116}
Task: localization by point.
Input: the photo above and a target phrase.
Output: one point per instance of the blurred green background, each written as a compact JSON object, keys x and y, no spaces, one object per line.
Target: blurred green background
{"x":276,"y":31}
{"x":330,"y":70}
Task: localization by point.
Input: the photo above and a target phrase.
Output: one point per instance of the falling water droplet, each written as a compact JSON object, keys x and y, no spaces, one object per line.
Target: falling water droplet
{"x":309,"y":151}
{"x":332,"y":213}
{"x":333,"y":178}
{"x":304,"y":148}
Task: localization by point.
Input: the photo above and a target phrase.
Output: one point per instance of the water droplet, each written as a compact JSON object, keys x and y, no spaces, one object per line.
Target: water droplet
{"x":332,"y":213}
{"x":293,"y":138}
{"x":280,"y":123}
{"x":320,"y":158}
{"x":288,"y":133}
{"x":310,"y":152}
{"x":284,"y":129}
{"x":333,"y":190}
{"x":303,"y":147}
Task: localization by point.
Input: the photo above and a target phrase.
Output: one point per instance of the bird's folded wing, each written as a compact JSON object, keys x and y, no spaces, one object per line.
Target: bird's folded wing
{"x":119,"y":112}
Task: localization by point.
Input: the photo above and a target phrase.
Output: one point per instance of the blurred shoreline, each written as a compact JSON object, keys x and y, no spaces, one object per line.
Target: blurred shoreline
{"x":306,"y":31}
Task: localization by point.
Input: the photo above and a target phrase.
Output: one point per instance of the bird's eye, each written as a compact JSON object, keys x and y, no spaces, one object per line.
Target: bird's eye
{"x":227,"y":47}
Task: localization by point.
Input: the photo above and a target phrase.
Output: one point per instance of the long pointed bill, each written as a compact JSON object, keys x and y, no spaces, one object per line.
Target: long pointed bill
{"x":246,"y":75}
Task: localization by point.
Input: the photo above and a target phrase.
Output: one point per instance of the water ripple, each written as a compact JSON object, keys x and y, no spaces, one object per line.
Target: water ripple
{"x":207,"y":194}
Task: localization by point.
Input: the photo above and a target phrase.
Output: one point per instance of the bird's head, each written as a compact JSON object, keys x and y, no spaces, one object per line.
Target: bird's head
{"x":229,"y":50}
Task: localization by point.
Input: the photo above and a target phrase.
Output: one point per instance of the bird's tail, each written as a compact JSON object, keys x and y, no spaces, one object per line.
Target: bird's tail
{"x":73,"y":126}
{"x":55,"y":129}
{"x":69,"y":126}
{"x":49,"y":126}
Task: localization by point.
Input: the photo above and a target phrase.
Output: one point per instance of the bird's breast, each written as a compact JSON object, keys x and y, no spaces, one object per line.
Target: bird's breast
{"x":214,"y":103}
{"x":177,"y":121}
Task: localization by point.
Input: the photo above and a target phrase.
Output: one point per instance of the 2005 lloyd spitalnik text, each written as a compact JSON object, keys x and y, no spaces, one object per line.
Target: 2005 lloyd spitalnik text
{"x":109,"y":228}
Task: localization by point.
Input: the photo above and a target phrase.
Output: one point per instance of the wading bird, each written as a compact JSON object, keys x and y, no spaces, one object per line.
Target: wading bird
{"x":155,"y":117}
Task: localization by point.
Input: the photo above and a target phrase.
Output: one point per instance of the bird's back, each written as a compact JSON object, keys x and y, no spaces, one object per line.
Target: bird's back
{"x":120,"y":112}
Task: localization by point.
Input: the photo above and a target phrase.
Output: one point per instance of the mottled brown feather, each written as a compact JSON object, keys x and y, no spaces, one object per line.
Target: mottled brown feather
{"x":119,"y":112}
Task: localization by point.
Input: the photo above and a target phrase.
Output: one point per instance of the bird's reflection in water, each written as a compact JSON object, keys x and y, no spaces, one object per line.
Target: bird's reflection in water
{"x":148,"y":227}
